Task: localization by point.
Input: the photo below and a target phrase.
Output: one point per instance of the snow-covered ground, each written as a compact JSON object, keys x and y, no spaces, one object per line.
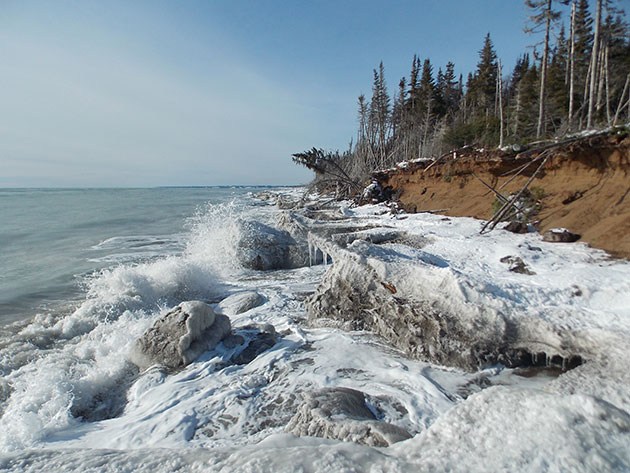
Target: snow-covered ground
{"x":218,"y":416}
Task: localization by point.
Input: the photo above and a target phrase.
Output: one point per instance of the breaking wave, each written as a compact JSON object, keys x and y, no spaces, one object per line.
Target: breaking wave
{"x":65,"y":365}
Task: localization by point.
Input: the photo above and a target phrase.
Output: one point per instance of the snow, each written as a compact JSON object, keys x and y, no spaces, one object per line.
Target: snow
{"x":217,"y":416}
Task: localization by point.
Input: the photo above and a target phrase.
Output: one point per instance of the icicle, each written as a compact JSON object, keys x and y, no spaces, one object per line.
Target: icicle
{"x":564,"y":364}
{"x":310,"y":247}
{"x":534,"y":358}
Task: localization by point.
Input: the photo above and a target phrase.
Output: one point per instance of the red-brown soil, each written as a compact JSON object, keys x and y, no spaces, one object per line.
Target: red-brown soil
{"x":585,"y":186}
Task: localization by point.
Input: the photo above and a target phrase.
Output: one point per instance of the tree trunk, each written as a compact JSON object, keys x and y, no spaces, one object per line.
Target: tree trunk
{"x":500,"y":87}
{"x":543,"y":73}
{"x":607,"y":77}
{"x":621,"y":102}
{"x":601,"y":77}
{"x":594,"y":55}
{"x":571,"y":65}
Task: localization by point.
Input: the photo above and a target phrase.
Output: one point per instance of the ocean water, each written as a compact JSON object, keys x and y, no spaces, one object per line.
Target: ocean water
{"x":53,"y":240}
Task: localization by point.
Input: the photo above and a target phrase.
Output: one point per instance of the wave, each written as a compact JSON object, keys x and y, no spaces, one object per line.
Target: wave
{"x":61,"y":367}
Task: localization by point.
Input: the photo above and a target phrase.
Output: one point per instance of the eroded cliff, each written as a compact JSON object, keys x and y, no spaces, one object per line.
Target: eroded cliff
{"x":584,"y":186}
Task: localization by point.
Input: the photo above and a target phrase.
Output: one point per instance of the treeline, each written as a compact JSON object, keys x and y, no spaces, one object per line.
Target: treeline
{"x":576,"y":78}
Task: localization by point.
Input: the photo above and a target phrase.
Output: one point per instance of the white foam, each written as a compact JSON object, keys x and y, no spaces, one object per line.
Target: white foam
{"x":83,"y":355}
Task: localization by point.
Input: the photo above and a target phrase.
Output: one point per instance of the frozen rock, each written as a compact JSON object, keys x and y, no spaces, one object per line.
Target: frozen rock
{"x":517,"y":265}
{"x":560,"y":235}
{"x":261,"y":338}
{"x":516,"y":227}
{"x":262,"y":247}
{"x":180,"y":336}
{"x":429,"y":316}
{"x":342,"y":414}
{"x":373,"y":236}
{"x":240,"y":302}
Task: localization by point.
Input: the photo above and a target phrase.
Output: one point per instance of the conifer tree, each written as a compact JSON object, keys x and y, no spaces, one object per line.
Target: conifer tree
{"x":482,"y":85}
{"x":380,"y":115}
{"x":542,"y":16}
{"x":594,"y":65}
{"x":450,"y":92}
{"x":582,"y":52}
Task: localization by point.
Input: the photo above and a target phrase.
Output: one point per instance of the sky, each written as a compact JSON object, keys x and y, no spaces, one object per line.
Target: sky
{"x":153,"y":93}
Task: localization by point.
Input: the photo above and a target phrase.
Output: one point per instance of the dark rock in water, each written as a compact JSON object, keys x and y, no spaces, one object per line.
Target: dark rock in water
{"x":240,"y":302}
{"x":180,"y":336}
{"x":516,"y":227}
{"x":233,"y":340}
{"x":560,"y":235}
{"x":263,"y":340}
{"x":517,"y":265}
{"x":342,"y":414}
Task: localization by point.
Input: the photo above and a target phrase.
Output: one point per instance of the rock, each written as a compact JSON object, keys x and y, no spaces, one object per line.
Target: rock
{"x":180,"y":336}
{"x":240,"y":302}
{"x":516,"y":227}
{"x":342,"y":414}
{"x":517,"y":265}
{"x":560,"y":235}
{"x":422,"y":319}
{"x":233,"y":340}
{"x":285,"y":202}
{"x":373,"y":236}
{"x":262,"y":247}
{"x":263,"y":339}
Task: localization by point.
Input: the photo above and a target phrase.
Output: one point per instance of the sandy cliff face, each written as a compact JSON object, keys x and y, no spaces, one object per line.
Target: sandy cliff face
{"x":585,"y":187}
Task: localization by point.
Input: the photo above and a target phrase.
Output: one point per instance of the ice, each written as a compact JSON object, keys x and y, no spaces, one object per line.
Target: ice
{"x":76,"y":403}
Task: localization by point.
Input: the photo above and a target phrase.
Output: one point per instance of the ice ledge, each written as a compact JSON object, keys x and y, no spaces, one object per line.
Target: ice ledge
{"x":433,"y":311}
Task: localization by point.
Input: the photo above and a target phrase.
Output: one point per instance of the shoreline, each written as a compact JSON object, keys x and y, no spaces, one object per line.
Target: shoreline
{"x":430,"y":319}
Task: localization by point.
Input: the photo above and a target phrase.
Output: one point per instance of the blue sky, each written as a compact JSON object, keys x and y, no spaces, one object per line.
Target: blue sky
{"x":149,"y":93}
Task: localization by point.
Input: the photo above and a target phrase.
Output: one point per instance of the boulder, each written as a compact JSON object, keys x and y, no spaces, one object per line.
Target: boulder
{"x":517,"y":265}
{"x":342,"y":414}
{"x":560,"y":235}
{"x":262,"y":247}
{"x":261,"y":338}
{"x":240,"y":302}
{"x":180,"y":336}
{"x":516,"y":227}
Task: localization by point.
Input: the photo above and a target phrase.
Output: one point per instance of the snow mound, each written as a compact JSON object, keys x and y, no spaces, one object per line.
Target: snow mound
{"x":526,"y":431}
{"x":240,"y":302}
{"x":342,"y":414}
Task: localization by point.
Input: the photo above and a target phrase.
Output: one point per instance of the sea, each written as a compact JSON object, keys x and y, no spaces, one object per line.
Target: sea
{"x":53,"y":242}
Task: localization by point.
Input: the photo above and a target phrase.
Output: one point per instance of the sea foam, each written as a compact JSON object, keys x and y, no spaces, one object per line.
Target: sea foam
{"x":63,"y":368}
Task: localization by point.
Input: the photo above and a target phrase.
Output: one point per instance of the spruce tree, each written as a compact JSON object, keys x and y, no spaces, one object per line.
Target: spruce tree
{"x":542,"y":16}
{"x":450,"y":91}
{"x":482,"y":85}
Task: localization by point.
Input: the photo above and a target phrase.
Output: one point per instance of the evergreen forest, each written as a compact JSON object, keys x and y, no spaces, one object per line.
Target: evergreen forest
{"x":575,"y":77}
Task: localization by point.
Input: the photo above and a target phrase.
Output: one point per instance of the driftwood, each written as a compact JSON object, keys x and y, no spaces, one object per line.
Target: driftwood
{"x":497,"y":216}
{"x":454,"y":153}
{"x":519,"y":171}
{"x":500,"y":196}
{"x":436,"y":211}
